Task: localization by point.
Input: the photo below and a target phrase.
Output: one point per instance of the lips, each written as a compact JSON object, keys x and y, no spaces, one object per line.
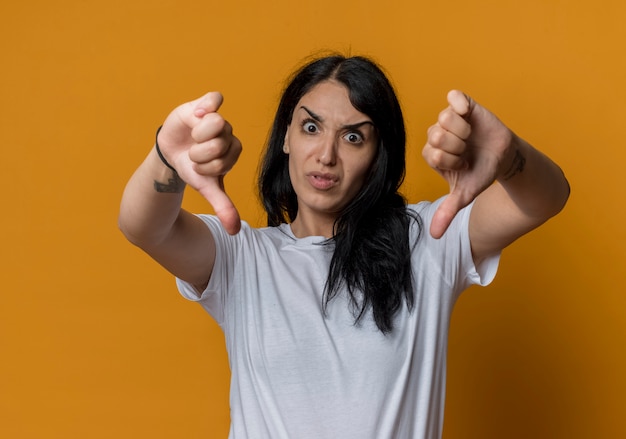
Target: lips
{"x":322,"y":181}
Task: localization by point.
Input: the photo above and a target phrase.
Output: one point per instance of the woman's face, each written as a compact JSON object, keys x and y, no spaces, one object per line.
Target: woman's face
{"x":331,"y":146}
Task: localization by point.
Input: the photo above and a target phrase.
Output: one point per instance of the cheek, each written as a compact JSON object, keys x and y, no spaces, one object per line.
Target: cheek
{"x":363,"y":165}
{"x":294,"y":167}
{"x":359,"y":172}
{"x":290,"y":168}
{"x":298,"y":156}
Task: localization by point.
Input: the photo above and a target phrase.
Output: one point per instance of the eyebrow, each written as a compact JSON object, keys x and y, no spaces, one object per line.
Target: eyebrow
{"x":353,"y":126}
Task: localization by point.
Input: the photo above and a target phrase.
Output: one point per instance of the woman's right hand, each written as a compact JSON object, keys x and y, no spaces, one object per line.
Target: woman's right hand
{"x":197,"y":141}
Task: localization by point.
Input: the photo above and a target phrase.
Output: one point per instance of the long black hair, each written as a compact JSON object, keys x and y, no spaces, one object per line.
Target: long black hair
{"x":372,"y":255}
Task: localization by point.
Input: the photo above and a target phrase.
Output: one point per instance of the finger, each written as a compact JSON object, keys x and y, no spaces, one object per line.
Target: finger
{"x":209,"y":103}
{"x":210,"y":126}
{"x":461,"y":103}
{"x":223,"y":206}
{"x":192,"y":112}
{"x":215,"y":157}
{"x":454,"y":123}
{"x":440,"y":138}
{"x":445,"y":151}
{"x":444,"y":215}
{"x":213,"y":149}
{"x":443,"y":161}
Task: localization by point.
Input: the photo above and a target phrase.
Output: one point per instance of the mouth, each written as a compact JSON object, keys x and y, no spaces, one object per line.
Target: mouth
{"x":322,"y":181}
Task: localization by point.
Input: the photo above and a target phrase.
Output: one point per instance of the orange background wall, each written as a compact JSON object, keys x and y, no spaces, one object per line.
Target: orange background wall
{"x":95,"y":342}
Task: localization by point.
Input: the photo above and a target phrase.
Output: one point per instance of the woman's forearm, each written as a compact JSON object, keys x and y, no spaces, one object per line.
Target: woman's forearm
{"x":536,"y":186}
{"x":151,"y":202}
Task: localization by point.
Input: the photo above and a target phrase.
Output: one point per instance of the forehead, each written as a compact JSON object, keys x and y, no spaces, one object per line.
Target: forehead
{"x":330,"y":99}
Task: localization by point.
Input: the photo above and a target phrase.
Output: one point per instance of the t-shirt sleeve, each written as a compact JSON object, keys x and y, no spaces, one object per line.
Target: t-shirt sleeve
{"x":483,"y":273}
{"x":453,"y":250}
{"x":212,"y":298}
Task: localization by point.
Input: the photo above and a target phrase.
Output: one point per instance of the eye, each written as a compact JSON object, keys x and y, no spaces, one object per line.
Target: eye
{"x":309,"y":126}
{"x":354,"y":137}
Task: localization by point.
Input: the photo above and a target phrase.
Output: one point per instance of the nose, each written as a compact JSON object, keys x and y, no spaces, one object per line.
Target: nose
{"x":327,"y":152}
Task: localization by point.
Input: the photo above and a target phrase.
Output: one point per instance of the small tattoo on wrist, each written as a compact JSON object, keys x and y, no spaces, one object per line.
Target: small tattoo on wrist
{"x":517,"y":166}
{"x":174,"y":185}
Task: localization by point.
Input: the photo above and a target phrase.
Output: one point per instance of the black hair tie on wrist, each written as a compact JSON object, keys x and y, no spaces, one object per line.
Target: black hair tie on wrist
{"x":158,"y":150}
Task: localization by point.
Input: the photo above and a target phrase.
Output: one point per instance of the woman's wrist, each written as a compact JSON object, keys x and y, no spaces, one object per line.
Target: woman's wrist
{"x":159,"y":153}
{"x":514,"y":160}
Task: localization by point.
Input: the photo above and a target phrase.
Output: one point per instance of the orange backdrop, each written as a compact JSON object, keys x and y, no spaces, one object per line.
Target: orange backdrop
{"x":95,"y":342}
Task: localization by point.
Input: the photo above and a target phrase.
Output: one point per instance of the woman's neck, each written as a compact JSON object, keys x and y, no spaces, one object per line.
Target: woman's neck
{"x":319,"y":226}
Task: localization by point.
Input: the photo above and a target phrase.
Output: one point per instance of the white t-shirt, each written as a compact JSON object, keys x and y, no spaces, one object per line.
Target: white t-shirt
{"x":300,"y":374}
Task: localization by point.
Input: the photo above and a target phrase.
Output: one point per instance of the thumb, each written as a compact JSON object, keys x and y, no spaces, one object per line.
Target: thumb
{"x":223,"y":206}
{"x":445,"y":213}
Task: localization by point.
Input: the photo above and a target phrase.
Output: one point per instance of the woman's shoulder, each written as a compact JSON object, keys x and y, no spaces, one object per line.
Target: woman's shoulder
{"x":424,"y":210}
{"x":281,"y":233}
{"x":425,"y":207}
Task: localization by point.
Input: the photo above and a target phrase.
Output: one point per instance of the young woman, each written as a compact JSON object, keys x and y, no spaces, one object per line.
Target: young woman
{"x":336,"y":315}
